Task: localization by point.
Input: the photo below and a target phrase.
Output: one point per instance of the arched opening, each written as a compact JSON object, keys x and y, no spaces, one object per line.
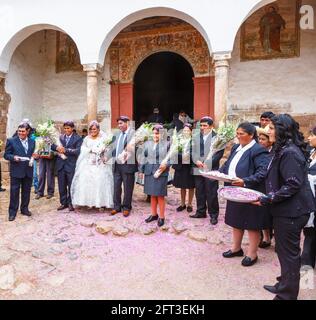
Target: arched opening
{"x":163,"y":80}
{"x":44,"y":75}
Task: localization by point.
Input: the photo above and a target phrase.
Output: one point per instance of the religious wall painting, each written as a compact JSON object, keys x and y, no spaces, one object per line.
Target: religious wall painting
{"x":67,"y":55}
{"x":272,"y":32}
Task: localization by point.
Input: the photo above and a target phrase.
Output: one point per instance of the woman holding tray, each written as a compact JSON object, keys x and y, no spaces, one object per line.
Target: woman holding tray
{"x":248,"y":163}
{"x":290,"y":201}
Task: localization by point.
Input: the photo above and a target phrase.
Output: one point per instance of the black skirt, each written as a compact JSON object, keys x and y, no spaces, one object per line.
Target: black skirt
{"x":156,"y":187}
{"x":183,"y":178}
{"x":246,"y":216}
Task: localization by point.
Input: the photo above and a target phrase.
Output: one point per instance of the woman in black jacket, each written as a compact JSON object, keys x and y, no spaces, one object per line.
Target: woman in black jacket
{"x":183,"y":178}
{"x":309,"y":248}
{"x":290,"y":201}
{"x":248,"y":162}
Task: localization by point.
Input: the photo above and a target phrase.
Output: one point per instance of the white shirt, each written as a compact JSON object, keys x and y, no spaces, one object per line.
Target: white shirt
{"x":239,"y":153}
{"x":205,"y":136}
{"x":25,"y":144}
{"x":122,"y":134}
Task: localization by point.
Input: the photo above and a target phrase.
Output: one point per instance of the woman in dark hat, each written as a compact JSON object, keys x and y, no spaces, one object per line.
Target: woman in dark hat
{"x":183,"y":178}
{"x":247,"y":162}
{"x":290,"y":201}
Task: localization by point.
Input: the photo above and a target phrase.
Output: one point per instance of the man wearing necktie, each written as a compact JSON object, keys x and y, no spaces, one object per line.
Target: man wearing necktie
{"x":71,"y":145}
{"x":124,"y":173}
{"x":18,"y":149}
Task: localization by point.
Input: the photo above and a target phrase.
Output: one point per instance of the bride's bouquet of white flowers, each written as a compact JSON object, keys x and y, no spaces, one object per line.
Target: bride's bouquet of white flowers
{"x":45,"y":135}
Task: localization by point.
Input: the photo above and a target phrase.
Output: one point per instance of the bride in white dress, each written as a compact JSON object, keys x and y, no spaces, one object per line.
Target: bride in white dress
{"x":93,"y":185}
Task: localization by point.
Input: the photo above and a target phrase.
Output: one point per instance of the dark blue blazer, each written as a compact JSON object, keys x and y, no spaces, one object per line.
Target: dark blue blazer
{"x":13,"y":148}
{"x":153,"y":159}
{"x":72,"y":153}
{"x":252,"y":166}
{"x":287,"y":183}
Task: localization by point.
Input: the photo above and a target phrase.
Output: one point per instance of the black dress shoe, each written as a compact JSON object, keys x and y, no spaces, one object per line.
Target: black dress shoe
{"x":161,"y":222}
{"x":189,"y":209}
{"x":11,"y":218}
{"x":248,"y":262}
{"x":71,"y":208}
{"x":181,"y":208}
{"x":62,"y":207}
{"x":214,"y":221}
{"x":231,"y":254}
{"x":264,"y":244}
{"x":26,"y":213}
{"x":151,"y":219}
{"x":198,"y":216}
{"x":2,"y":189}
{"x":271,"y":289}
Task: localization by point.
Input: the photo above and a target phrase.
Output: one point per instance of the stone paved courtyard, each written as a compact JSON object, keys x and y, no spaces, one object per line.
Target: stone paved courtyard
{"x":91,"y":255}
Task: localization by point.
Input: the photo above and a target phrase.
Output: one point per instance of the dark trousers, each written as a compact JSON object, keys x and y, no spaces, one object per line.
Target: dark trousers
{"x":15,"y":185}
{"x":206,"y":196}
{"x":46,"y":169}
{"x":309,"y":248}
{"x":64,"y":184}
{"x":287,"y":233}
{"x":128,"y":180}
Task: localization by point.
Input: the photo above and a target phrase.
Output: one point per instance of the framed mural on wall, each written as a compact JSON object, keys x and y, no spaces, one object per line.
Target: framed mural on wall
{"x":272,"y":32}
{"x":67,"y":55}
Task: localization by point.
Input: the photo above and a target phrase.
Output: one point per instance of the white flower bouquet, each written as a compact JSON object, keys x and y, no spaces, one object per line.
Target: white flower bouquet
{"x":142,"y":134}
{"x":46,"y":134}
{"x":179,"y":144}
{"x":226,"y":132}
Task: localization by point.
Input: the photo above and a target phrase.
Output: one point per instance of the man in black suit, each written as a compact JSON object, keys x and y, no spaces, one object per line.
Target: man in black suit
{"x":71,"y":144}
{"x":21,"y":174}
{"x":205,"y":189}
{"x":124,"y":173}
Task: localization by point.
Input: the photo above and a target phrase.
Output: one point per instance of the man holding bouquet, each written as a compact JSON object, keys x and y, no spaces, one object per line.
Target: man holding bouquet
{"x":66,"y":164}
{"x":206,"y":189}
{"x":124,"y":168}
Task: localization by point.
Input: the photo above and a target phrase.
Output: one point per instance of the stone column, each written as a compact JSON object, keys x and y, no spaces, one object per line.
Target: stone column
{"x":92,"y":71}
{"x":221,"y":69}
{"x":5,"y":100}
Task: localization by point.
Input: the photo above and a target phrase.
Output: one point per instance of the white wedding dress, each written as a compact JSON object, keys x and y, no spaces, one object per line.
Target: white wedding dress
{"x":93,"y":184}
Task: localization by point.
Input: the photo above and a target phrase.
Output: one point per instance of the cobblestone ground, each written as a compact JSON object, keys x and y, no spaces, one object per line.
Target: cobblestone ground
{"x":91,"y":255}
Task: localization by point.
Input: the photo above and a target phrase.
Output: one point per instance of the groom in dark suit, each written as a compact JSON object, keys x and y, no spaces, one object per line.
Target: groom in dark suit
{"x":21,"y":174}
{"x":71,"y":144}
{"x":205,"y":189}
{"x":124,"y":173}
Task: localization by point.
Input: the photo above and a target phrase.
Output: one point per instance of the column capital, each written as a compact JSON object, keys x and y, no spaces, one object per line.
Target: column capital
{"x":93,"y":67}
{"x":221,"y":59}
{"x":3,"y":75}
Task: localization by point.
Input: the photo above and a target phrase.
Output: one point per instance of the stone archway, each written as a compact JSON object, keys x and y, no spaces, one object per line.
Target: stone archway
{"x":142,"y":39}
